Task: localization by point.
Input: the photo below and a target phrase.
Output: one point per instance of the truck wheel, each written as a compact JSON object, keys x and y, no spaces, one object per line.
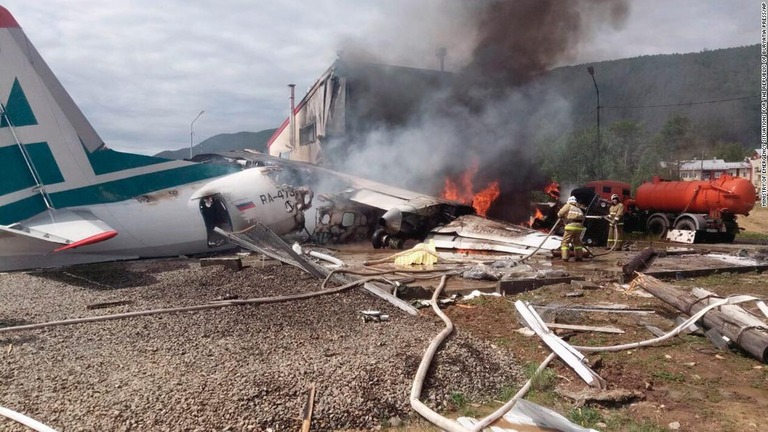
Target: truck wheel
{"x":657,"y":227}
{"x":685,"y":225}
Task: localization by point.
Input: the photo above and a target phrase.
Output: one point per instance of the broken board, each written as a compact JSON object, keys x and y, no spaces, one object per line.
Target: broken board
{"x":681,"y":236}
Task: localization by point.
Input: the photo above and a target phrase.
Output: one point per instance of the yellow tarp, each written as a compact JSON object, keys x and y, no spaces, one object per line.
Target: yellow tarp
{"x":422,"y":253}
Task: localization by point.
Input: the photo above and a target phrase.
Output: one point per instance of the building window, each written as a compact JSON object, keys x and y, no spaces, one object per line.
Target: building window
{"x":307,"y":134}
{"x":606,"y":189}
{"x":285,"y":155}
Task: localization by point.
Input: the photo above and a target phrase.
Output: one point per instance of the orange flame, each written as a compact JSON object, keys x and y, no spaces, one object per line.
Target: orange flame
{"x":483,"y":199}
{"x":463,"y":191}
{"x":553,"y":190}
{"x":538,"y":215}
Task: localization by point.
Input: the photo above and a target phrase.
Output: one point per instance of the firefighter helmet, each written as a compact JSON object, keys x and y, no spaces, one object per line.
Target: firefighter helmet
{"x":614,"y":197}
{"x":571,"y":200}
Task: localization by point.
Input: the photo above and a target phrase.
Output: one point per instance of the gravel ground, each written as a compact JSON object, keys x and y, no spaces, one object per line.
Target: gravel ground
{"x":236,"y":368}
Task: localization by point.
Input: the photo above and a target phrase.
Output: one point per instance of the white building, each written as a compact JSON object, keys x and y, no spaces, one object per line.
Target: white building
{"x":711,"y":169}
{"x":756,"y":163}
{"x":348,"y":100}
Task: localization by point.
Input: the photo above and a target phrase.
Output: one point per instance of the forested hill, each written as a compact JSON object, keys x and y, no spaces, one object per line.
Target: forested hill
{"x":223,"y":143}
{"x":653,"y":109}
{"x":692,"y":85}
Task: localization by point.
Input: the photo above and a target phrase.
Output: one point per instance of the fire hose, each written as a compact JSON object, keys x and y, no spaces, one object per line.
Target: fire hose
{"x":614,"y":227}
{"x":542,"y":242}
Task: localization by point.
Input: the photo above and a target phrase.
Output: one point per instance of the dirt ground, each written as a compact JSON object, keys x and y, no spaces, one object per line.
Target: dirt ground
{"x":684,"y":384}
{"x":757,"y":221}
{"x":685,"y":381}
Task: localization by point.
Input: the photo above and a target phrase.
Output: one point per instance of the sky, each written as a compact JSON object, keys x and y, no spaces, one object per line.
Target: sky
{"x":143,"y":70}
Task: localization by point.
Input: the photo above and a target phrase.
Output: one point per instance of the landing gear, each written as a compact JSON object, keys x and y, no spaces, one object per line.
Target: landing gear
{"x":381,"y":239}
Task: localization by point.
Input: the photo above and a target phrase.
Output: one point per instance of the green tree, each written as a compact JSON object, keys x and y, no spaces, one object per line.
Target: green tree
{"x":730,"y":151}
{"x":569,"y":159}
{"x":624,"y":143}
{"x":676,"y":140}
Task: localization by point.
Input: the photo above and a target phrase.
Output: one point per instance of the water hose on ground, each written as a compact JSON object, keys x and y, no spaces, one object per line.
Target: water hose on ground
{"x":213,"y":305}
{"x":26,"y":421}
{"x":418,"y":381}
{"x":615,"y":229}
{"x":674,"y":332}
{"x":542,"y":242}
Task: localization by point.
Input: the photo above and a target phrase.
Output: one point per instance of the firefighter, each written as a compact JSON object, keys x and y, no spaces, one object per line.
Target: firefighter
{"x":616,"y":223}
{"x":573,"y":217}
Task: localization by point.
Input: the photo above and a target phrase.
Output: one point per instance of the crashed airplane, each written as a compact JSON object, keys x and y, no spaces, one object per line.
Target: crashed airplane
{"x":67,"y":199}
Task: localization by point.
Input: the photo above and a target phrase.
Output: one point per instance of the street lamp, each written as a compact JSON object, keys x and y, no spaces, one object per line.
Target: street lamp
{"x":192,"y":132}
{"x":591,"y":71}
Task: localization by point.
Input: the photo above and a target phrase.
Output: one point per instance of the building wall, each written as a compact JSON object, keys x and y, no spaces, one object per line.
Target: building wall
{"x":755,"y":161}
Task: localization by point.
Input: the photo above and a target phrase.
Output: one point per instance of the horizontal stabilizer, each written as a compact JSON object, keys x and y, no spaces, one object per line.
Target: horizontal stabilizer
{"x":71,"y":228}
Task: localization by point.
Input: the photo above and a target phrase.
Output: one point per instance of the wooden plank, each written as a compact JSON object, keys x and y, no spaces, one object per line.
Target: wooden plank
{"x":565,"y":351}
{"x":598,"y":309}
{"x":682,"y":274}
{"x":232,"y":263}
{"x":306,"y":420}
{"x":517,"y":286}
{"x":585,"y":328}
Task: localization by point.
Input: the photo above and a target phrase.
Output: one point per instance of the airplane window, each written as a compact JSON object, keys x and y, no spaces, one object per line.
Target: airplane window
{"x":325,"y":219}
{"x":348,"y":219}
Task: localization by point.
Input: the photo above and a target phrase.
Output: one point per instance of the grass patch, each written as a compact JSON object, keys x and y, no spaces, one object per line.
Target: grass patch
{"x":478,"y":301}
{"x":459,"y":400}
{"x":713,"y":280}
{"x":506,"y":393}
{"x":669,"y":376}
{"x":624,"y":423}
{"x":462,"y":405}
{"x":543,"y":381}
{"x":585,"y":416}
{"x":542,"y":385}
{"x":752,"y":235}
{"x":596,"y":340}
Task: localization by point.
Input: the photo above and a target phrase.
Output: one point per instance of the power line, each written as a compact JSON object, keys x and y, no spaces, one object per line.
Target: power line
{"x":683,"y":103}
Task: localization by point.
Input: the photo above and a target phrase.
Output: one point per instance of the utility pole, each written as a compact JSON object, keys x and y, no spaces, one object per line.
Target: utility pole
{"x":192,"y":133}
{"x":599,"y":170}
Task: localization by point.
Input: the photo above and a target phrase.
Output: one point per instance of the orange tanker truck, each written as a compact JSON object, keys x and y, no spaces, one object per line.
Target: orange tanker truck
{"x":709,"y":207}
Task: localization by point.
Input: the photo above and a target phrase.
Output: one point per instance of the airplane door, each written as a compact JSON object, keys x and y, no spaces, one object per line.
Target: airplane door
{"x":215,"y":214}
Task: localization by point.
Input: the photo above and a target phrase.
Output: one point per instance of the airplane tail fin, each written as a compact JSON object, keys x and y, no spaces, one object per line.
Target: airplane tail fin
{"x":51,"y":156}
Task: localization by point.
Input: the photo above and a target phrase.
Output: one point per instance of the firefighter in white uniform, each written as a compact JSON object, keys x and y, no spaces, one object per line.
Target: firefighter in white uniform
{"x":616,"y":221}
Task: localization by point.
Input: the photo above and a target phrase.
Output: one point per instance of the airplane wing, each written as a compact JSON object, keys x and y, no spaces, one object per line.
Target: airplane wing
{"x":474,"y":232}
{"x":401,"y":214}
{"x":69,"y":228}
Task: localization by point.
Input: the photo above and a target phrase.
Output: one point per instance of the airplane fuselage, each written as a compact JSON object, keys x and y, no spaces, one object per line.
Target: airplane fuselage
{"x":169,"y":222}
